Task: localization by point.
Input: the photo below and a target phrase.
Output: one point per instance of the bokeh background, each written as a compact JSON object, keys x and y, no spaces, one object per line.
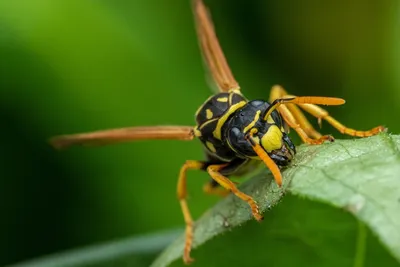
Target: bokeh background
{"x":78,"y":65}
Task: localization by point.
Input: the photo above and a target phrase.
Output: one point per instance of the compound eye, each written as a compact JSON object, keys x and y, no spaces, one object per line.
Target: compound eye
{"x":235,"y":132}
{"x":236,"y":136}
{"x":239,"y":142}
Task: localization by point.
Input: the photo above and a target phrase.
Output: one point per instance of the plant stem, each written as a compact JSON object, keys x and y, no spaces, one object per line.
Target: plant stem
{"x":360,"y":245}
{"x":138,"y":245}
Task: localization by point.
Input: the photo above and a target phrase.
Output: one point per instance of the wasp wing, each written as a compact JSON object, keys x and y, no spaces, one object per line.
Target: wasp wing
{"x":123,"y":135}
{"x":211,"y":49}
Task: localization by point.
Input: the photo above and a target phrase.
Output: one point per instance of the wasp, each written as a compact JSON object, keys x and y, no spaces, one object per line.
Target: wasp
{"x":234,"y":131}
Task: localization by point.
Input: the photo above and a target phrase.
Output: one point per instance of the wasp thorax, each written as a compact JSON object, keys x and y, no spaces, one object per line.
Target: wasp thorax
{"x":249,"y":123}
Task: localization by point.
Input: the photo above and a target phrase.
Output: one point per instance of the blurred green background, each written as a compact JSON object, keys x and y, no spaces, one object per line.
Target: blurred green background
{"x":77,"y":65}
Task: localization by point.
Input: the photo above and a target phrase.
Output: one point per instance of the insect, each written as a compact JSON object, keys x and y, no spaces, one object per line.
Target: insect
{"x":235,"y":132}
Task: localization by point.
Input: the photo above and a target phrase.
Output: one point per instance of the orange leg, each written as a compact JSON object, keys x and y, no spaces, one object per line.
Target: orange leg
{"x":278,"y":92}
{"x":303,"y":122}
{"x":322,"y":114}
{"x":182,"y":195}
{"x":268,"y":162}
{"x":291,"y":121}
{"x":296,"y":119}
{"x":211,"y":189}
{"x":213,"y":170}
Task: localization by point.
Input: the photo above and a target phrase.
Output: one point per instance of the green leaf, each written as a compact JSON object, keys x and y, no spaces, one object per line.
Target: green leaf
{"x":361,"y":176}
{"x":299,"y":232}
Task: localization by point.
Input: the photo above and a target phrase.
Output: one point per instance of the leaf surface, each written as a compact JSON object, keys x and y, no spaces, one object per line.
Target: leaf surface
{"x":361,"y":176}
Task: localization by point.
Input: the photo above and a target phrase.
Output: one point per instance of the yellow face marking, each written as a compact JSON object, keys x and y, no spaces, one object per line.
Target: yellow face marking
{"x":251,"y":124}
{"x":222,"y":99}
{"x":222,"y":120}
{"x":272,"y":139}
{"x":197,"y":133}
{"x":270,"y":120}
{"x":209,"y":114}
{"x":211,"y":146}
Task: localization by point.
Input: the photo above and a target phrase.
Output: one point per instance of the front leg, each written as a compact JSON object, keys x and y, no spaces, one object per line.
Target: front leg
{"x":296,"y":119}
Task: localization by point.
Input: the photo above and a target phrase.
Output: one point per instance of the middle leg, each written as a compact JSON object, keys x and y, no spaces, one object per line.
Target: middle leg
{"x":291,"y":121}
{"x":213,"y":188}
{"x":214,"y":171}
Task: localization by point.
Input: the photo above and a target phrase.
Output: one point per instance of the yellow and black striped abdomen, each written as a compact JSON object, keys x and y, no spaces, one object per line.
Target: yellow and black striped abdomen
{"x":210,"y":119}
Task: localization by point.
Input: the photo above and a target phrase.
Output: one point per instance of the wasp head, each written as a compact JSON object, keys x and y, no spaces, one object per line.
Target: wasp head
{"x":250,"y":126}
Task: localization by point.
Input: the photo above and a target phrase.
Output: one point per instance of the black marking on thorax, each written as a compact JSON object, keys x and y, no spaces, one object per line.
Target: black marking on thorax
{"x":208,"y":118}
